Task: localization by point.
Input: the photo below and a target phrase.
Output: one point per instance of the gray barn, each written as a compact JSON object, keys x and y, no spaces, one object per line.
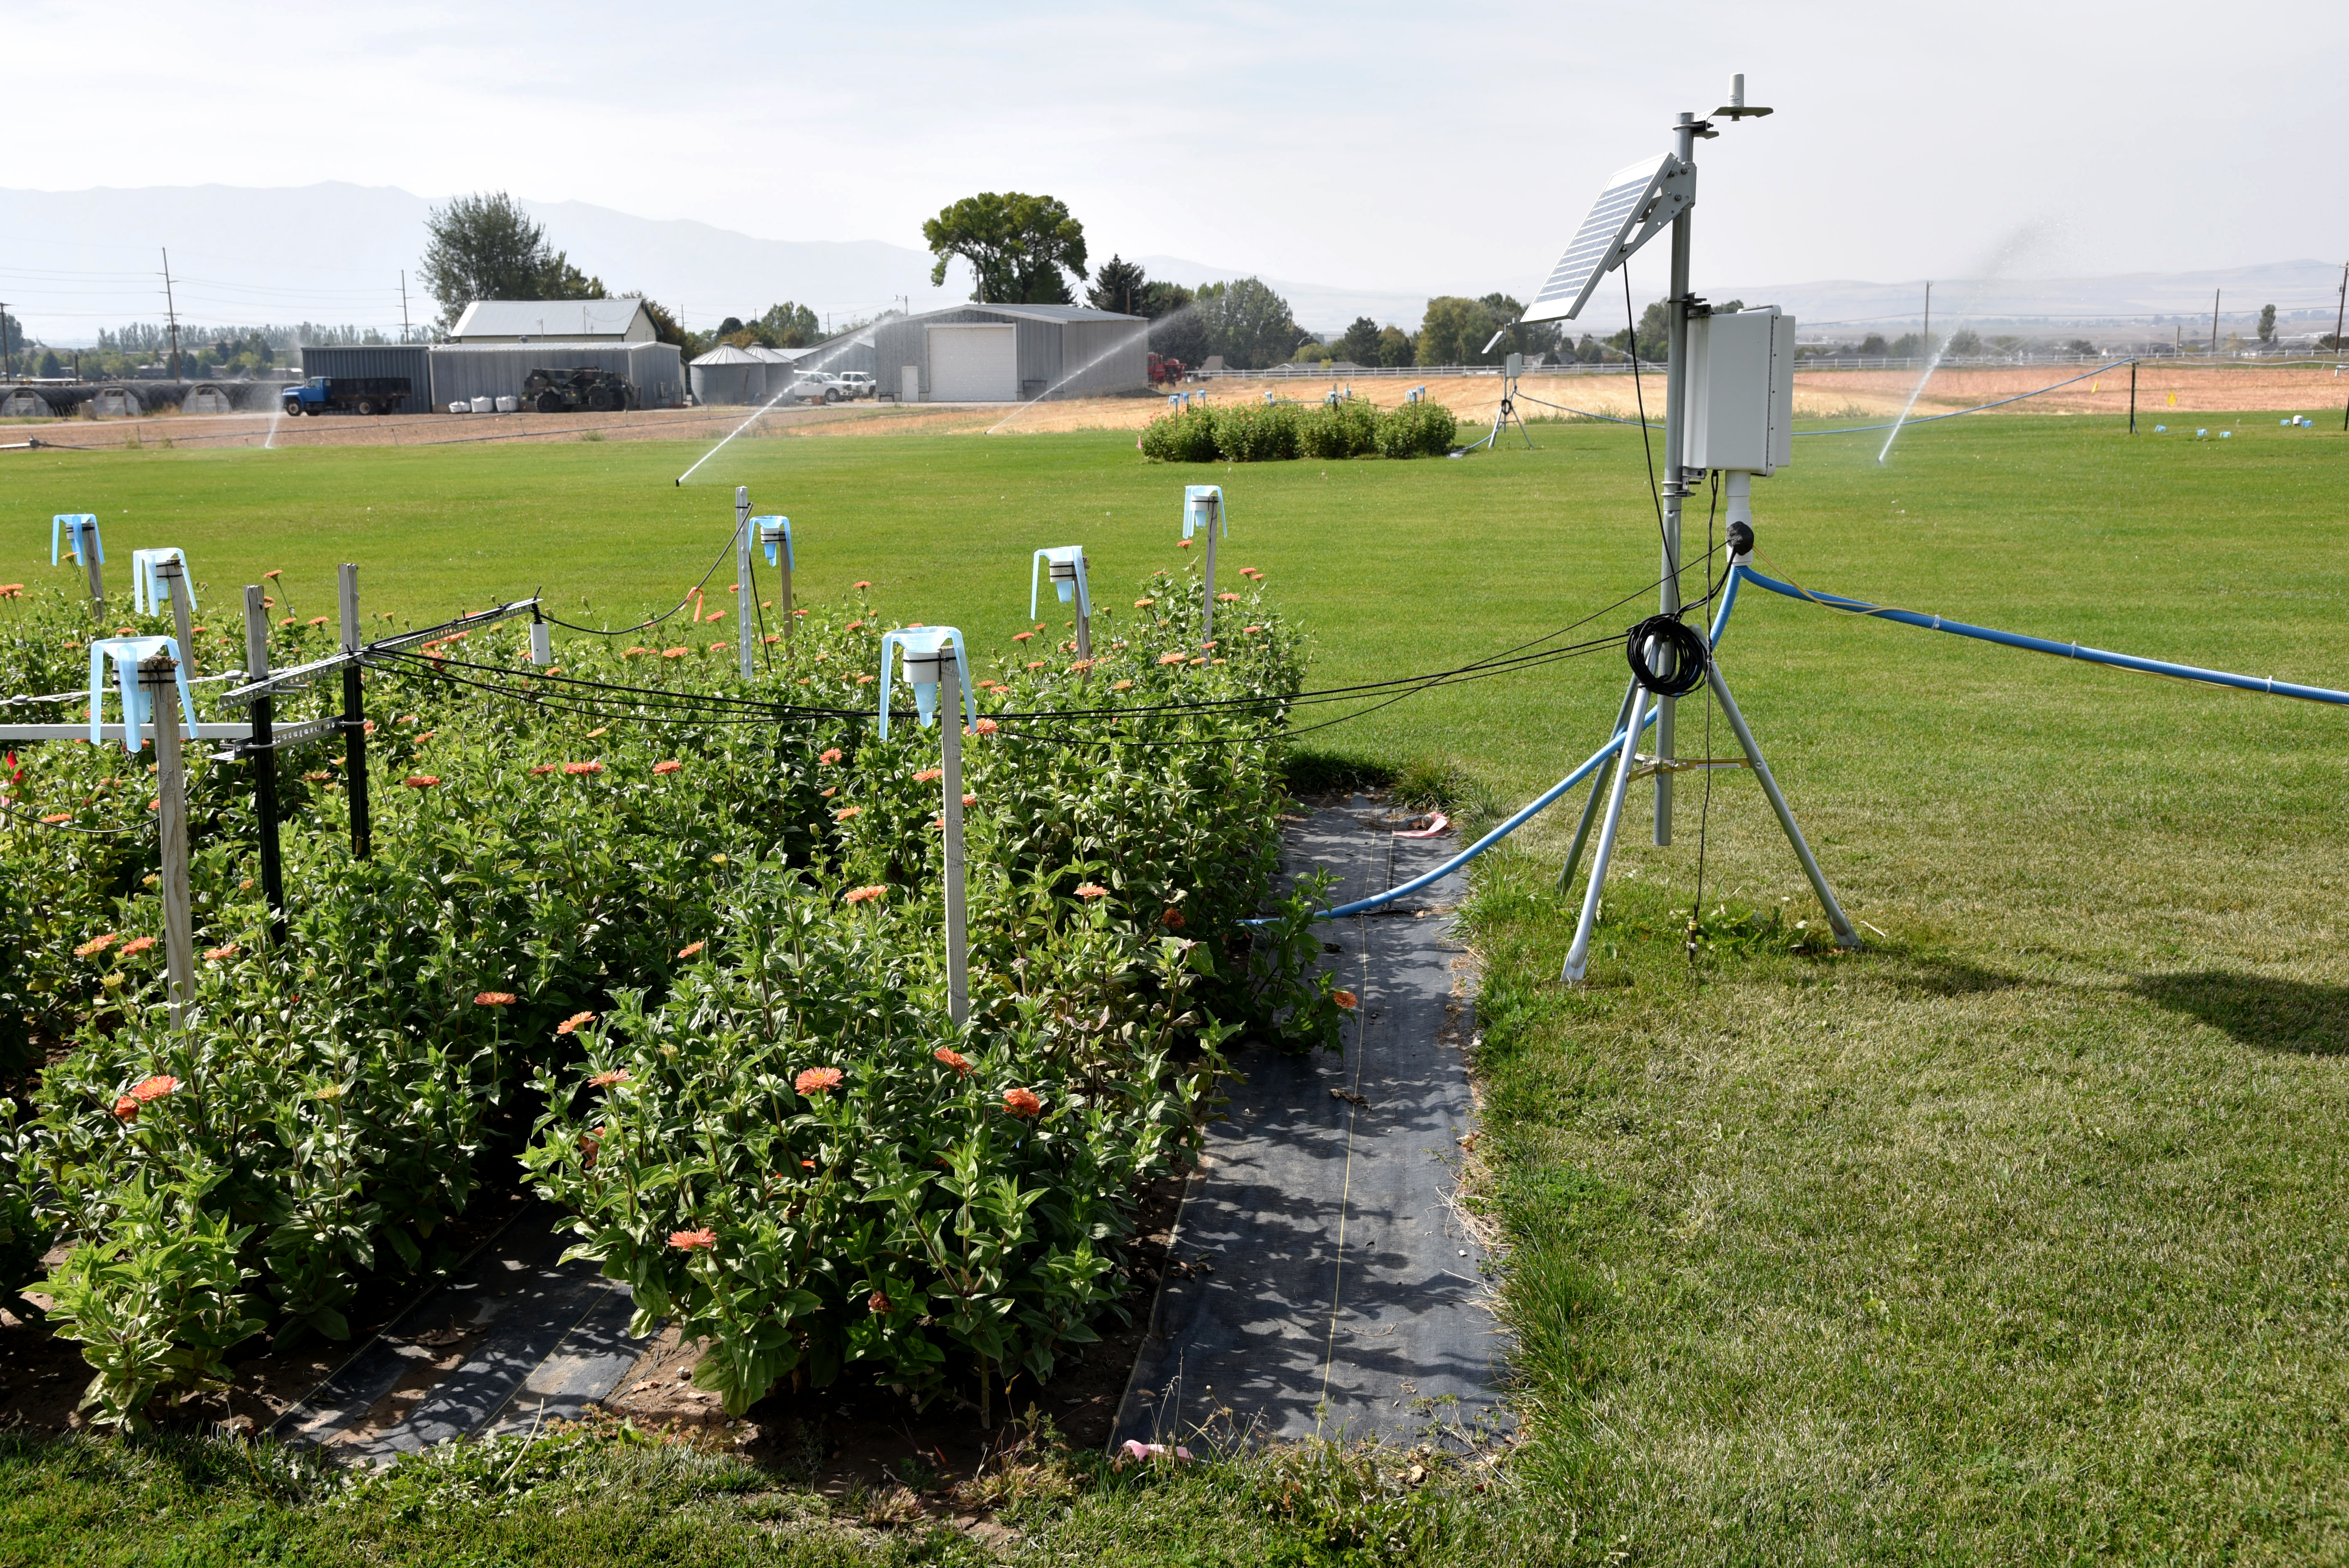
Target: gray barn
{"x":463,"y":371}
{"x":1006,"y":353}
{"x":412,"y":360}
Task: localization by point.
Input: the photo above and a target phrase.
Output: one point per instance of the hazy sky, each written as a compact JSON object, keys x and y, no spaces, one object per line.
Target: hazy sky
{"x":1392,"y":146}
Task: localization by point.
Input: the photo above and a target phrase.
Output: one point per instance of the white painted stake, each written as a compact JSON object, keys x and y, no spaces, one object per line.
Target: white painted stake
{"x":746,"y":608}
{"x":158,"y":675}
{"x":950,"y":763}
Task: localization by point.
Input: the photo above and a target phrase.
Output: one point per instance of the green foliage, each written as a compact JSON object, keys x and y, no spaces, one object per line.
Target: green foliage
{"x":1454,"y":332}
{"x":789,"y":325}
{"x":1421,"y":429}
{"x":2267,"y":324}
{"x":1334,"y":430}
{"x":484,"y":246}
{"x":1247,"y":323}
{"x":1121,"y":285}
{"x":1020,"y":246}
{"x":1396,"y":348}
{"x":1256,"y":432}
{"x":153,"y":1293}
{"x":1359,"y":343}
{"x":330,"y":1107}
{"x":1185,"y":436}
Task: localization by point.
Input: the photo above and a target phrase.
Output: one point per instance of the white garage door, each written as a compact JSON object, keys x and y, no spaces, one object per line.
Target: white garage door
{"x":973,"y":365}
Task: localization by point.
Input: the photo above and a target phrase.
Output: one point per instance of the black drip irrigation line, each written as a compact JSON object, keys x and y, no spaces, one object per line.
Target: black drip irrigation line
{"x":631,"y":631}
{"x":19,"y":812}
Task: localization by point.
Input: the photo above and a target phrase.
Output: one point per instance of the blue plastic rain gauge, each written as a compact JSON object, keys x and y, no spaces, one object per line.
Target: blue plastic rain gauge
{"x":147,"y":592}
{"x":1203,"y":507}
{"x":68,"y":529}
{"x":775,"y":533}
{"x":930,"y":654}
{"x":1066,"y":565}
{"x":126,"y":652}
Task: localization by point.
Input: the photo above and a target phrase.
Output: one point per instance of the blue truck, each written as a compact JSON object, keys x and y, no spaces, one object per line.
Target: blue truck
{"x":345,"y":394}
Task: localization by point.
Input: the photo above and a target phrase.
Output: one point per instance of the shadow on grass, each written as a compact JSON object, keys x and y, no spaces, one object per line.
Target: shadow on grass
{"x":2272,"y":1014}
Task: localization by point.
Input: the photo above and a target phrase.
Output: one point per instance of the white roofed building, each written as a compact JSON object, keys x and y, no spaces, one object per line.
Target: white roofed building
{"x":567,"y":320}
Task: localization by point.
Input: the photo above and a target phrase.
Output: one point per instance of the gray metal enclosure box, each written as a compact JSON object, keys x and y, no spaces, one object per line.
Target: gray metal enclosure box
{"x":1741,"y":390}
{"x":463,"y":371}
{"x":1071,"y":350}
{"x":412,"y":360}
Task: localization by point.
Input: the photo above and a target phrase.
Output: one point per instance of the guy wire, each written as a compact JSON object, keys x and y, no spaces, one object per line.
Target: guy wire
{"x":1631,"y":340}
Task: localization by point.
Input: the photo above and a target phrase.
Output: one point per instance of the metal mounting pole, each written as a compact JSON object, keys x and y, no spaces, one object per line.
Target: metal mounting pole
{"x":265,"y":763}
{"x":1597,"y":793}
{"x":354,"y":719}
{"x":173,"y":575}
{"x":1844,"y":935}
{"x":783,"y":595}
{"x":950,"y":720}
{"x":1577,"y":957}
{"x":1675,"y":479}
{"x":159,"y":682}
{"x":746,"y":608}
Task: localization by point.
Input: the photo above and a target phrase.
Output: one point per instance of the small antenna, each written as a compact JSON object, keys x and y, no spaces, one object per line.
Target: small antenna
{"x":1735,"y":109}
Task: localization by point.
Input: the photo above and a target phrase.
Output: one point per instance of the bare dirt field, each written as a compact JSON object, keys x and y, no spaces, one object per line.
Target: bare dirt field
{"x":1818,"y":395}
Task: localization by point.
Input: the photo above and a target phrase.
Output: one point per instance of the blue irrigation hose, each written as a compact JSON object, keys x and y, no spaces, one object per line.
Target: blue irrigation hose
{"x":1929,"y":418}
{"x":1614,"y":744}
{"x":2263,"y":683}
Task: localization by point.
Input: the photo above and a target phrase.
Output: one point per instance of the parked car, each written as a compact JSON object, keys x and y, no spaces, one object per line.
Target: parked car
{"x":859,"y":383}
{"x":816,"y":386}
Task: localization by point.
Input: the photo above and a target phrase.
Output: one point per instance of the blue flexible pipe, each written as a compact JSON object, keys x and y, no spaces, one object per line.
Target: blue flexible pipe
{"x":2267,"y":685}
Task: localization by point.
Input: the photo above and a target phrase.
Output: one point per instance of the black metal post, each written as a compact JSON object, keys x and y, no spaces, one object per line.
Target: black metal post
{"x":264,"y":765}
{"x":2132,"y":396}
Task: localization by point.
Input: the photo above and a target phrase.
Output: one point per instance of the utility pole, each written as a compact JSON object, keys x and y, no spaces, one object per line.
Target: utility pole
{"x":403,"y":304}
{"x":2339,"y":311}
{"x":7,"y":355}
{"x":2214,"y":324}
{"x":172,"y":309}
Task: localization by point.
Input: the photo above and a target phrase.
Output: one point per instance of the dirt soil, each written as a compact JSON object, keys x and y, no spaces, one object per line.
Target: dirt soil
{"x":1863,"y":394}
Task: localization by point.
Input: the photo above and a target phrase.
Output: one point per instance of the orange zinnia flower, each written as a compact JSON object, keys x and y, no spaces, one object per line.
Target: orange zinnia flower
{"x":863,"y":894}
{"x":865,"y":584}
{"x":126,"y":1109}
{"x":690,"y":949}
{"x":1121,"y":686}
{"x":137,"y":944}
{"x":420,"y":780}
{"x":1184,"y":544}
{"x":671,"y":767}
{"x":495,"y":999}
{"x":1250,"y":631}
{"x":575,"y":769}
{"x":225,"y":950}
{"x":635,"y":653}
{"x":953,"y":1058}
{"x":674,"y":653}
{"x":1020,"y":1102}
{"x":687,"y":1240}
{"x":987,"y":727}
{"x":605,"y":1080}
{"x":929,"y":775}
{"x":1227,"y":598}
{"x":1345,"y":999}
{"x":1021,"y":636}
{"x":828,"y":755}
{"x":94,"y":945}
{"x":1143,"y":604}
{"x":571,"y":1024}
{"x":1172,"y":919}
{"x":970,"y":799}
{"x":1091,"y":890}
{"x":817,"y":1080}
{"x":846,"y":812}
{"x":542,"y":768}
{"x":1172,"y":658}
{"x":877,"y":1303}
{"x":54,"y":818}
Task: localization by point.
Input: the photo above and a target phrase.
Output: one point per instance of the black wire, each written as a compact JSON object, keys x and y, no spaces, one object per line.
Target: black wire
{"x":656,"y":620}
{"x":1705,"y":814}
{"x":69,"y":827}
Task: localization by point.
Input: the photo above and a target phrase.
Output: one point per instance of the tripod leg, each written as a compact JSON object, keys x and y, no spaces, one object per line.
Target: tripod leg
{"x":1577,"y":957}
{"x":1844,"y":935}
{"x":1591,"y":808}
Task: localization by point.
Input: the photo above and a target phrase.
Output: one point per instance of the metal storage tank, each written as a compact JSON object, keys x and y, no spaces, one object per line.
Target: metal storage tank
{"x":728,"y":374}
{"x":412,"y":360}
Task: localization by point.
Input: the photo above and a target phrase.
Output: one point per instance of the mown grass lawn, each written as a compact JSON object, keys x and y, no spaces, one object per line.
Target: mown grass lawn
{"x":2016,"y":1238}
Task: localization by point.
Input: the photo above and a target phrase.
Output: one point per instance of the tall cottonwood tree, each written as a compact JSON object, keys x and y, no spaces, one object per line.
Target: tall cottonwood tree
{"x":1022,"y":247}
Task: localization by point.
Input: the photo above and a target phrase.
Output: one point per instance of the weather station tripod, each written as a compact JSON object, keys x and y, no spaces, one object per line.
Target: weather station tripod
{"x":1506,"y":414}
{"x":1728,"y":409}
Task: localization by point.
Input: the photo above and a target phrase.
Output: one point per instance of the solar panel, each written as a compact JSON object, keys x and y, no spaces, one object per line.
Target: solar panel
{"x":1605,"y":239}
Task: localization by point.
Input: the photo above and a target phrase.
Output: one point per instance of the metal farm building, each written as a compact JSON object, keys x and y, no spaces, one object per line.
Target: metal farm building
{"x":1007,"y":352}
{"x":463,"y":371}
{"x":412,"y":360}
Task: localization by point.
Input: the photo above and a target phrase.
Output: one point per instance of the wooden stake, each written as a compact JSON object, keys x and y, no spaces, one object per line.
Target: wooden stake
{"x":158,"y":682}
{"x":173,"y":575}
{"x":355,"y":764}
{"x":950,"y":717}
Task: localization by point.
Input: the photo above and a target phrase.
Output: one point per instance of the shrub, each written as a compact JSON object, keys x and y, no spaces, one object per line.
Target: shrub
{"x":1185,"y":436}
{"x":1335,"y":430}
{"x":1256,"y":432}
{"x":1422,"y":430}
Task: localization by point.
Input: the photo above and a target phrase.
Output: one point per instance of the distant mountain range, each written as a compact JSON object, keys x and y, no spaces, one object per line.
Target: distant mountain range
{"x":72,"y":262}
